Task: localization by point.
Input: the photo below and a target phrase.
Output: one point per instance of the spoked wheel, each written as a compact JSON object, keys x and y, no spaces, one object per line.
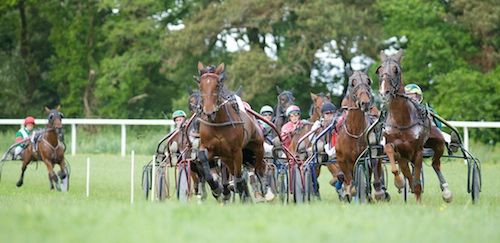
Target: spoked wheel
{"x":183,"y":184}
{"x":162,"y":191}
{"x":297,"y":186}
{"x":282,"y":186}
{"x":361,"y":184}
{"x":476,"y":183}
{"x":310,"y":184}
{"x":146,"y":179}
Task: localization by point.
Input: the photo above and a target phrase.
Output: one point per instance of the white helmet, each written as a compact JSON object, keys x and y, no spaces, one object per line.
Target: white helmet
{"x":292,"y":109}
{"x":266,"y":109}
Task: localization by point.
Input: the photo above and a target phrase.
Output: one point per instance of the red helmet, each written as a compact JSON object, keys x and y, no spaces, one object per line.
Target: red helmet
{"x":29,"y":120}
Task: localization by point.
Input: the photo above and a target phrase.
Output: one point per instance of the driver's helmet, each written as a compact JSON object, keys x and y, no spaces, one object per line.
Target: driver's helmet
{"x":29,"y":120}
{"x":414,"y":89}
{"x":292,"y":109}
{"x":265,"y":110}
{"x":328,"y":107}
{"x":178,"y":113}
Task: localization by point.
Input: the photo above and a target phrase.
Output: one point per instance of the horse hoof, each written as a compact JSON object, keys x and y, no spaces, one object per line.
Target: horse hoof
{"x":379,"y":195}
{"x":217,"y":192}
{"x":258,"y":197}
{"x":19,"y":183}
{"x":399,"y":182}
{"x":269,"y":195}
{"x":447,"y":196}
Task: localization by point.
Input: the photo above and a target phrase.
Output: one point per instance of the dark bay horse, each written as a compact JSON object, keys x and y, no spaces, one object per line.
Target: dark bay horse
{"x":50,"y":149}
{"x":360,"y":113}
{"x":285,"y":99}
{"x":227,"y":131}
{"x":407,"y":129}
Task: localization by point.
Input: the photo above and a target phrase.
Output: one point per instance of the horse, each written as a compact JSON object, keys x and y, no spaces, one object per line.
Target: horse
{"x":303,"y":130}
{"x":50,"y":149}
{"x":351,"y":142}
{"x":285,"y":99}
{"x":407,"y":129}
{"x":227,"y":131}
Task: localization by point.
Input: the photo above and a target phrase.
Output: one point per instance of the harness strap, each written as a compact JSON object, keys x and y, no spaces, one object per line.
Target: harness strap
{"x":223,"y":124}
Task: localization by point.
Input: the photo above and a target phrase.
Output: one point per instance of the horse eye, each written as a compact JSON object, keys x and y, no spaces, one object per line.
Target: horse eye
{"x":395,"y":70}
{"x":61,"y":114}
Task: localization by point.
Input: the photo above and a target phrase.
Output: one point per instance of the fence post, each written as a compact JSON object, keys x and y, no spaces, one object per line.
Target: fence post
{"x":124,"y":140}
{"x":73,"y":139}
{"x":466,"y":138}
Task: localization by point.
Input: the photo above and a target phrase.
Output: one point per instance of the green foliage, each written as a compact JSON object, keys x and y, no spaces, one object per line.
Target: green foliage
{"x":470,"y":95}
{"x":136,"y":59}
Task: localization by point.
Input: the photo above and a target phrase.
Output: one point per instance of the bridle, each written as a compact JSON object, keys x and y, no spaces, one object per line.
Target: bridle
{"x":59,"y":130}
{"x":220,"y":102}
{"x":394,"y":81}
{"x":354,"y":97}
{"x":218,"y":91}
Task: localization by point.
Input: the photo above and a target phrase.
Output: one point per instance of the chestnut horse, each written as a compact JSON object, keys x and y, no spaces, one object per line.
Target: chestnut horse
{"x":360,"y":113}
{"x":228,"y":132}
{"x":50,"y":149}
{"x":407,"y":129}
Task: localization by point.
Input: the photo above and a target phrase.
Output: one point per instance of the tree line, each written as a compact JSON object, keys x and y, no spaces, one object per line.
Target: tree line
{"x":136,"y":59}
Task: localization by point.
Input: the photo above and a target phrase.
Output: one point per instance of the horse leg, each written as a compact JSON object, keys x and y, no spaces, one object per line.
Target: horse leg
{"x":398,"y":180}
{"x":417,"y":183}
{"x":380,"y":192}
{"x":26,"y":161}
{"x":203,"y":156}
{"x":438,"y":149}
{"x":403,"y":165}
{"x":235,"y":168}
{"x":62,"y":173}
{"x":53,"y":179}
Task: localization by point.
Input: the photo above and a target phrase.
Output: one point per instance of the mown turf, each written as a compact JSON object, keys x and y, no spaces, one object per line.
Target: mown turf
{"x":32,"y":213}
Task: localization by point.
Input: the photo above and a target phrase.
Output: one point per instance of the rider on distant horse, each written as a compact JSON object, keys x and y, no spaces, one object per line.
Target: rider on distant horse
{"x":22,"y":135}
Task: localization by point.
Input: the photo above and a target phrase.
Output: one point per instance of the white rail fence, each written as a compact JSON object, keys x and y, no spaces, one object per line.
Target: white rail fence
{"x":150,"y":122}
{"x":113,"y":122}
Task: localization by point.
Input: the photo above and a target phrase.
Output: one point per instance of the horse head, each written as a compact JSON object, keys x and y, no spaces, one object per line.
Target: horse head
{"x":389,"y":73}
{"x":359,"y":91}
{"x":55,"y":121}
{"x":210,"y":84}
{"x":318,"y":101}
{"x":285,"y":99}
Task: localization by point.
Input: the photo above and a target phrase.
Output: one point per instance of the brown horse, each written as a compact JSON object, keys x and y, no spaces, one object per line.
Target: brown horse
{"x":407,"y":129}
{"x":351,"y":142}
{"x":50,"y":149}
{"x":285,"y":99}
{"x":227,"y":131}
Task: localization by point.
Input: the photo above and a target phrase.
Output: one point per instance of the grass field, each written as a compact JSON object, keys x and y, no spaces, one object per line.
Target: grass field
{"x":35,"y":214}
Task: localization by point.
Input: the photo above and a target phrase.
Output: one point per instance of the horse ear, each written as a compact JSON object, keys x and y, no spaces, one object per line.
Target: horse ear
{"x":313,"y":96}
{"x":200,"y":67}
{"x":47,"y":109}
{"x":220,"y":69}
{"x":398,"y":55}
{"x":383,"y":56}
{"x":278,"y":89}
{"x":58,"y":108}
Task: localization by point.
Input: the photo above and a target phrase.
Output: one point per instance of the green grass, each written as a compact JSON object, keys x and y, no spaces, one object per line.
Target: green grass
{"x":32,"y":213}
